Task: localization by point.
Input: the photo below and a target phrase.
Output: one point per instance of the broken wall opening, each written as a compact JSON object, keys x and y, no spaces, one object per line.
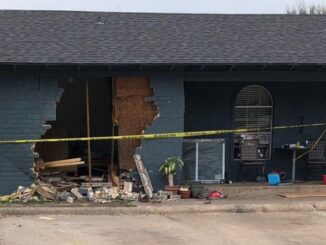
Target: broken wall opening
{"x":71,"y":121}
{"x":117,"y":107}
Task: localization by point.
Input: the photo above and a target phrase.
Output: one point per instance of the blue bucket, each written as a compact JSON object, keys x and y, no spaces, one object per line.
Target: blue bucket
{"x":274,"y":179}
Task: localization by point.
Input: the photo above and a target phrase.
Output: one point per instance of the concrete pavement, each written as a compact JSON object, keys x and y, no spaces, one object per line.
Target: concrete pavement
{"x":223,"y":228}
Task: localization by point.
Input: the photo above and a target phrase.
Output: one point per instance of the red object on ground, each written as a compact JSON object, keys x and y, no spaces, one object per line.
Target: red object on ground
{"x":324,"y":179}
{"x":215,"y":195}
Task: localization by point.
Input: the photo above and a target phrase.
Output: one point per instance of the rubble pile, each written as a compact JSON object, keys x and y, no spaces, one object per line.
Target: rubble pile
{"x":71,"y":192}
{"x":58,"y":186}
{"x":41,"y":191}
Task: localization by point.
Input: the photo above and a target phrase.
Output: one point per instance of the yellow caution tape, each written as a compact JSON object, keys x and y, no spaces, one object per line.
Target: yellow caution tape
{"x":157,"y":136}
{"x":313,"y":146}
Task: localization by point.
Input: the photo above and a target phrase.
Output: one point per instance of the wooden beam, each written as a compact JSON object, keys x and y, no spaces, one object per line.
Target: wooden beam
{"x":66,"y":164}
{"x":89,"y":152}
{"x":77,"y":159}
{"x":113,"y":94}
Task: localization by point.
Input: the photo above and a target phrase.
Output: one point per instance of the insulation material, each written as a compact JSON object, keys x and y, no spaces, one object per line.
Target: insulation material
{"x":132,"y":113}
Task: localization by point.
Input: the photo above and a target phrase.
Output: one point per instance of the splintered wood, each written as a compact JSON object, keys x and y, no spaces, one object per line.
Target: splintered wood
{"x":132,"y":114}
{"x":146,"y":181}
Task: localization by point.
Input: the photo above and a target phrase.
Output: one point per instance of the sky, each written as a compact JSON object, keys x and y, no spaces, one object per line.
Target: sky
{"x":165,"y":6}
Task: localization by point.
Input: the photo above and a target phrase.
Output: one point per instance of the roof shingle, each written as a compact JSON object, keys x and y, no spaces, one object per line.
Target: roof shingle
{"x":53,"y":37}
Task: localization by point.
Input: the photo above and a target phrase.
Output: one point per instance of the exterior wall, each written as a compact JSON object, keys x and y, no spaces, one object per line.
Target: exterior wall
{"x":209,"y":105}
{"x":169,"y":97}
{"x":25,"y":104}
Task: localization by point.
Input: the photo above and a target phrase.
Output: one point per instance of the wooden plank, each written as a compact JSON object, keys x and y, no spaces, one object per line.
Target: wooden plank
{"x":78,"y":159}
{"x":89,"y":151}
{"x":66,"y":164}
{"x":111,"y":166}
{"x":303,"y":194}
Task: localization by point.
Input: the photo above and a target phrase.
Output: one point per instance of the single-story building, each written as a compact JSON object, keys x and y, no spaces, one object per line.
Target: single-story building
{"x":74,"y":74}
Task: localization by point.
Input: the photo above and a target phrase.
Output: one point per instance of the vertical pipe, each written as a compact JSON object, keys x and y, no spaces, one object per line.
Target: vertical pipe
{"x":89,"y":153}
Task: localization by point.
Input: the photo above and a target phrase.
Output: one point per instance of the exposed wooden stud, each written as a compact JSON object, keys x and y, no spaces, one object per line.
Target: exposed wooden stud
{"x":89,"y":153}
{"x":113,"y":127}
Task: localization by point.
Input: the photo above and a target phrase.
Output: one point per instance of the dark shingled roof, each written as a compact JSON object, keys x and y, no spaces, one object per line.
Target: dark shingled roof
{"x":53,"y":37}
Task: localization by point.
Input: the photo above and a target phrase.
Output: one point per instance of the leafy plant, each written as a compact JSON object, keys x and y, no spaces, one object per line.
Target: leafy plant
{"x":169,"y":168}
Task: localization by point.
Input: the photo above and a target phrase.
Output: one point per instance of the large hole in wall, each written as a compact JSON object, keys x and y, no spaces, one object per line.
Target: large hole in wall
{"x":117,"y":106}
{"x":71,"y":121}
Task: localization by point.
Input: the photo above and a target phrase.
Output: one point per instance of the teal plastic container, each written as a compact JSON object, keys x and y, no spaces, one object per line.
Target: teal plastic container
{"x":274,"y":179}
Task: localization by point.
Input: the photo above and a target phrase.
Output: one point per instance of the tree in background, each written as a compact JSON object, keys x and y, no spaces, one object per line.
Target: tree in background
{"x":302,"y":8}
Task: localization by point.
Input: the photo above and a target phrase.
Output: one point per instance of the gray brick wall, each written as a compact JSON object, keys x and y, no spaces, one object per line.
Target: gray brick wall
{"x":26,"y":103}
{"x":169,"y":97}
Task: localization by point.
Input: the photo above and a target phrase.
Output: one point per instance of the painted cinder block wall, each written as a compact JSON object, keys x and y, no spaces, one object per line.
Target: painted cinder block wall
{"x":26,"y":102}
{"x":169,"y":97}
{"x":209,"y":105}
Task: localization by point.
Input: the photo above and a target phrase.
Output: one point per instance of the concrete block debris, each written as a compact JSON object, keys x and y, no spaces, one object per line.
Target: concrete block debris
{"x":76,"y":193}
{"x":90,"y":194}
{"x":175,"y":197}
{"x":168,"y":193}
{"x":113,"y":193}
{"x":70,"y":199}
{"x":71,"y":189}
{"x":130,"y":196}
{"x":162,"y":195}
{"x":97,"y":184}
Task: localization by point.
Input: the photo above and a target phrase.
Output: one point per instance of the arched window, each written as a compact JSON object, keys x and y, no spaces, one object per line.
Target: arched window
{"x":253,"y":110}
